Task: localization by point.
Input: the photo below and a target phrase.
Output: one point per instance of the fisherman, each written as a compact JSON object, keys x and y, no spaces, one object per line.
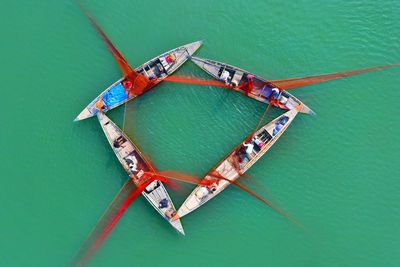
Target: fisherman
{"x":132,"y":163}
{"x":170,"y":213}
{"x":212,"y":187}
{"x":163,"y":203}
{"x":258,"y":143}
{"x":170,"y":58}
{"x":278,"y":127}
{"x":119,"y":142}
{"x":249,"y":148}
{"x":202,"y":192}
{"x":275,"y":93}
{"x":241,"y":154}
{"x":248,"y":85}
{"x":127,"y":85}
{"x":225,"y":75}
{"x":100,"y":105}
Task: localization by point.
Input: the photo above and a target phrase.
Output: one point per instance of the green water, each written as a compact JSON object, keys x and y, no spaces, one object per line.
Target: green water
{"x":337,"y":173}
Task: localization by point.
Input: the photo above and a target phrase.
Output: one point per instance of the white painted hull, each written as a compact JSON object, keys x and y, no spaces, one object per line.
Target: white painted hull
{"x":181,"y":53}
{"x":287,"y":100}
{"x":230,"y":168}
{"x":127,"y":152}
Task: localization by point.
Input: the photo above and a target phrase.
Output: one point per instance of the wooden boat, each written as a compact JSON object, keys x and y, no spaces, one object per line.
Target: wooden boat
{"x":237,"y":162}
{"x":155,"y":70}
{"x":262,"y":90}
{"x":135,"y":164}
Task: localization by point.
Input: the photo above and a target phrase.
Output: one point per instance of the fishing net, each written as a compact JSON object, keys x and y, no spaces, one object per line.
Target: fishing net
{"x":125,"y":197}
{"x":303,"y":81}
{"x":137,"y":84}
{"x":107,"y":221}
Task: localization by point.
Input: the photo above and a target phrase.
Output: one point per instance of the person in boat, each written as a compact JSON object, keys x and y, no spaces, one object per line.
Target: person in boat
{"x":128,"y":86}
{"x":249,"y":148}
{"x":170,"y":213}
{"x":171,"y":58}
{"x":212,"y":186}
{"x":270,"y":91}
{"x":278,"y":127}
{"x":275,"y":94}
{"x":151,"y":76}
{"x":101,"y":106}
{"x":242,"y":155}
{"x":225,"y":76}
{"x":119,"y":142}
{"x":257,"y":143}
{"x":248,"y":85}
{"x":132,"y":161}
{"x":202,"y":192}
{"x":163,"y":203}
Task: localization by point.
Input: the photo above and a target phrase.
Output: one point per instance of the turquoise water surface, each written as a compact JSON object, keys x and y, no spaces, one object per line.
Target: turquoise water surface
{"x":337,"y":173}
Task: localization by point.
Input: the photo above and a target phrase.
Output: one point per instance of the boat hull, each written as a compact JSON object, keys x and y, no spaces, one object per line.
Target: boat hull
{"x":231,"y":167}
{"x":260,"y":91}
{"x":136,"y":164}
{"x":155,"y":69}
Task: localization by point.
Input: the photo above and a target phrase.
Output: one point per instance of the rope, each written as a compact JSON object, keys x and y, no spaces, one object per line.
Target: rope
{"x":263,"y":117}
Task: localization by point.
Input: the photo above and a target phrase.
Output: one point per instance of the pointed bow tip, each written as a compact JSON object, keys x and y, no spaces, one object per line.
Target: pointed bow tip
{"x":199,"y":42}
{"x":86,"y":113}
{"x":181,"y":231}
{"x":193,"y":47}
{"x":79,"y":118}
{"x":311,"y":112}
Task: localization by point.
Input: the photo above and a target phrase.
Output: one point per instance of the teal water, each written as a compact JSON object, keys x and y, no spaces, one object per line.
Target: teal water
{"x":337,"y":173}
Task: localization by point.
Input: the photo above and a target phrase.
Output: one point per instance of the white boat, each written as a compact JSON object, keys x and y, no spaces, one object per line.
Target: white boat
{"x":237,"y":162}
{"x":136,"y":164}
{"x":154,"y":70}
{"x":262,"y":90}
